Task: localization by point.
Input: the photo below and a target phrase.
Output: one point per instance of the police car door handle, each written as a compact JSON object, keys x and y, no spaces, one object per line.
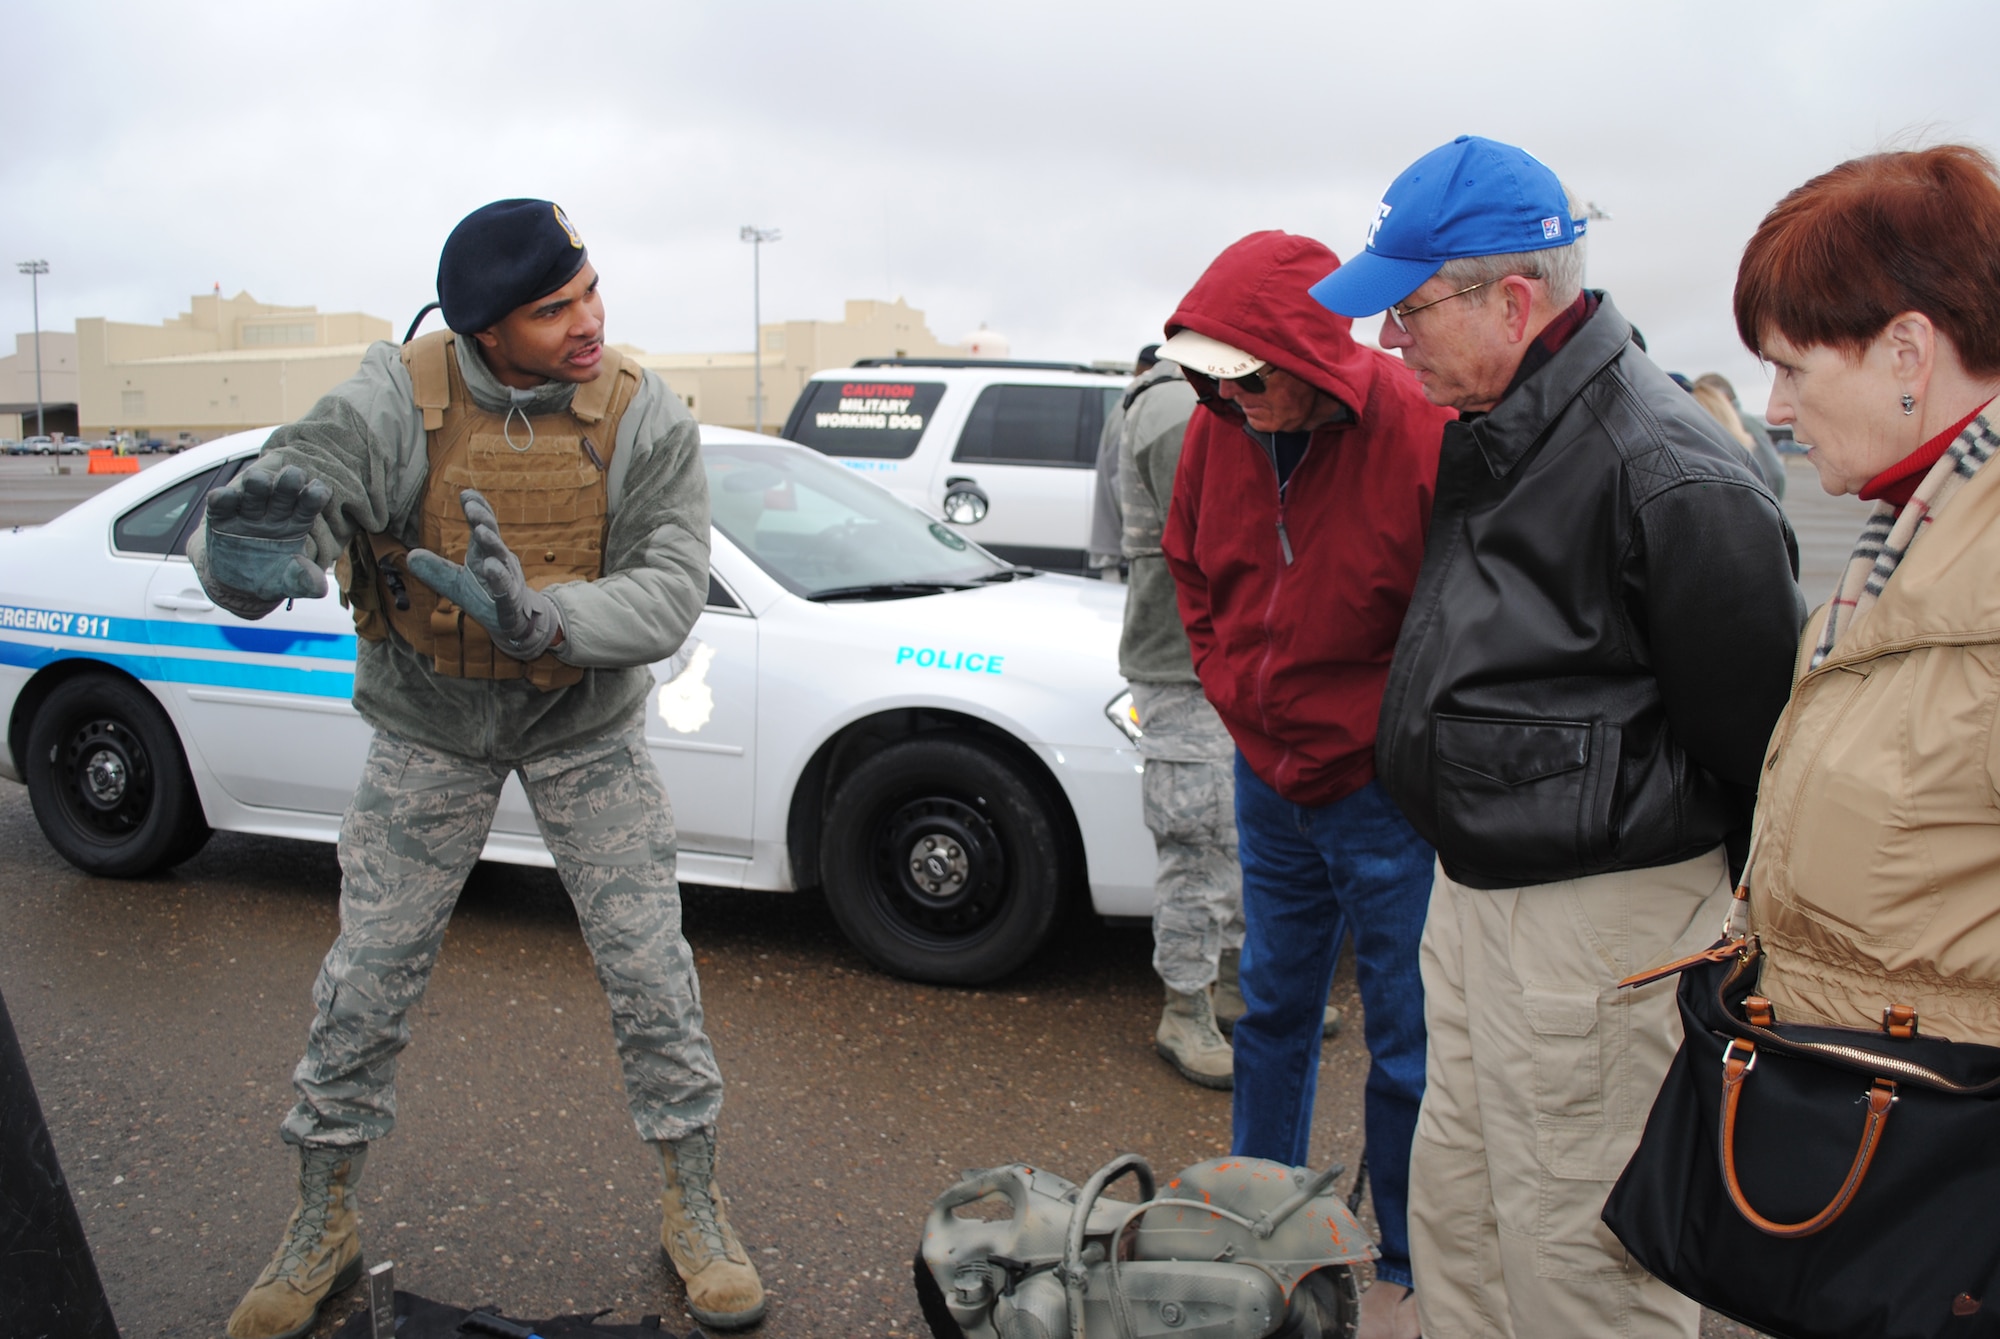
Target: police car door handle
{"x":187,"y":602}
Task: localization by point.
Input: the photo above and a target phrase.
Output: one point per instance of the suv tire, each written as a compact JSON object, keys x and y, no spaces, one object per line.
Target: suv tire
{"x":107,"y":779}
{"x":941,"y":862}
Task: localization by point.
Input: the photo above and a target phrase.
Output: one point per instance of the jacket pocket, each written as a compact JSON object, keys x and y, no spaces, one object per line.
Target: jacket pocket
{"x":1522,"y":796}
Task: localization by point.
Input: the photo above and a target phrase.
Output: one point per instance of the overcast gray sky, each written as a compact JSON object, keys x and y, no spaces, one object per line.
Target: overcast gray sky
{"x":1059,"y":171}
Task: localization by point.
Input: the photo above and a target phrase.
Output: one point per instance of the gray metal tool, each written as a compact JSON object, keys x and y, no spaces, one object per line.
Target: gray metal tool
{"x":382,"y":1300}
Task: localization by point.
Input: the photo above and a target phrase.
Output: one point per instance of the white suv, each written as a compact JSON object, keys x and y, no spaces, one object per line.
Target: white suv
{"x":1006,"y":451}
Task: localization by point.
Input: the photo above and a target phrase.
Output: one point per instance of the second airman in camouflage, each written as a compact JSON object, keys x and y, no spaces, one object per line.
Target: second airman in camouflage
{"x":1190,"y":804}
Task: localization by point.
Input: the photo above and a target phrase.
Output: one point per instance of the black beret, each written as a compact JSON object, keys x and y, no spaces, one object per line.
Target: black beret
{"x":503,"y":255}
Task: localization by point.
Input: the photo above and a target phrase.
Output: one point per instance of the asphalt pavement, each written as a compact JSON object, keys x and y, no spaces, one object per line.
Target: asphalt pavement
{"x":35,"y":488}
{"x":161,"y":1019}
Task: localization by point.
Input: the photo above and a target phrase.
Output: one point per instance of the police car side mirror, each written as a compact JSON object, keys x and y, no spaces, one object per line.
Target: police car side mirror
{"x":965,"y":502}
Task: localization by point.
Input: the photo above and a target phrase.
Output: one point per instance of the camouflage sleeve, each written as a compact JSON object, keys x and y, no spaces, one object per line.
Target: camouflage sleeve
{"x":655,"y":578}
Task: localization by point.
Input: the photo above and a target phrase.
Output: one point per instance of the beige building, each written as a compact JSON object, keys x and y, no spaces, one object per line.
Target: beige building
{"x":718,"y":386}
{"x":227,"y":364}
{"x":223,"y":365}
{"x":17,"y":386}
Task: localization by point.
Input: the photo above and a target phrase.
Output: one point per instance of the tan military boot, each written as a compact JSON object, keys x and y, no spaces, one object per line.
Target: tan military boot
{"x":1188,"y":1040}
{"x":320,"y":1255}
{"x":1229,"y":1005}
{"x":723,"y":1290}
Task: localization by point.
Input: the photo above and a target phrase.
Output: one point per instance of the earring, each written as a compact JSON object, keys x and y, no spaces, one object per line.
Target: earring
{"x":1909,"y":404}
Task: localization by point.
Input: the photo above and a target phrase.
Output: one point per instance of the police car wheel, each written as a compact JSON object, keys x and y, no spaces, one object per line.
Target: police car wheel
{"x":941,"y":863}
{"x":107,"y":779}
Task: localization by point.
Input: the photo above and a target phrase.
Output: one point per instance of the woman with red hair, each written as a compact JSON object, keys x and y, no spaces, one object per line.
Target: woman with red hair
{"x":1873,"y":291}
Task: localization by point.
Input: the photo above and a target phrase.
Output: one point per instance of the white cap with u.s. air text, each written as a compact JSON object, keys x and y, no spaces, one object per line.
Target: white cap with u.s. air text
{"x":1471,"y":197}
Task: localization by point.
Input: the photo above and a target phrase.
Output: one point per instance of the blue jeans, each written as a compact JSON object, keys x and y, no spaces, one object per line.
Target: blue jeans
{"x":1307,"y":869}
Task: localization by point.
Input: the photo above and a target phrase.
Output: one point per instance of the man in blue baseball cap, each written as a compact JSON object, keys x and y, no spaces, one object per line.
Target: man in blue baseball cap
{"x":1600,"y":641}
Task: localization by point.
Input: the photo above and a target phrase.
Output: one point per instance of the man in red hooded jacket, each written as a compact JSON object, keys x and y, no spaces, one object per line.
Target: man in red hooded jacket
{"x":1297,"y":527}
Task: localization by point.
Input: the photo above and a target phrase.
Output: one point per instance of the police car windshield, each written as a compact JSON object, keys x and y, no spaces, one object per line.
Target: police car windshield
{"x":819,"y":530}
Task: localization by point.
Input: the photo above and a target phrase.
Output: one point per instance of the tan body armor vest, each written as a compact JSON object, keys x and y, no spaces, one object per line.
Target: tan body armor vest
{"x":545,"y":478}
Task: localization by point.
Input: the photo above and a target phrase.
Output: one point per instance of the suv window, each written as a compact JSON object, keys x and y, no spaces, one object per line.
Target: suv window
{"x":1036,"y":425}
{"x":161,"y":524}
{"x":876,"y":420}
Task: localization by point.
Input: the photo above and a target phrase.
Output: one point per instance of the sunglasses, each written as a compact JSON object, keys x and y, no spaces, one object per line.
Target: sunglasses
{"x":1250,"y":383}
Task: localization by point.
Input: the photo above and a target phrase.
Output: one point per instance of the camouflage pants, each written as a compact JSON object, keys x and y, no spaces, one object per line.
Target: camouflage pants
{"x":416,"y":826}
{"x":1190,"y":808}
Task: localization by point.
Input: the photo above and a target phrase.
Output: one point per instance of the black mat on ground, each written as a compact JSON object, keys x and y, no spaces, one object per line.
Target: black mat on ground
{"x":48,"y":1281}
{"x":421,"y":1318}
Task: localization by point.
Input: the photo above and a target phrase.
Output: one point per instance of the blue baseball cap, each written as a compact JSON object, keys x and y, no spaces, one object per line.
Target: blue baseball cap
{"x":1472,"y":197}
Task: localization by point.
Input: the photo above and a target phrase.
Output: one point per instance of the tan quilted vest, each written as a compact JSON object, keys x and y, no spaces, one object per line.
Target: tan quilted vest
{"x":549,"y":497}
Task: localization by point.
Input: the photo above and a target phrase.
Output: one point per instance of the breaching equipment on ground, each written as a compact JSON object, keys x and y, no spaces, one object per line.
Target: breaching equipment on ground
{"x":1235,"y":1248}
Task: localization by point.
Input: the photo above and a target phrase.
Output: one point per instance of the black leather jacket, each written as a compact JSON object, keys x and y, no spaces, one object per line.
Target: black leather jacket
{"x":1602,"y":633}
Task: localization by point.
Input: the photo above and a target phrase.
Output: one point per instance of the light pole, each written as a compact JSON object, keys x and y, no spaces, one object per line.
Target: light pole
{"x":756,"y":237}
{"x":35,"y":269}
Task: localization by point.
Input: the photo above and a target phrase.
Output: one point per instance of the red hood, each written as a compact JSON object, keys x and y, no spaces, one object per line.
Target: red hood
{"x":1254,"y":297}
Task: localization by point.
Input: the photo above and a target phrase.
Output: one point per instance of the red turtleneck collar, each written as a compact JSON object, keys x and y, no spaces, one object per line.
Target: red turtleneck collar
{"x":1899,"y":482}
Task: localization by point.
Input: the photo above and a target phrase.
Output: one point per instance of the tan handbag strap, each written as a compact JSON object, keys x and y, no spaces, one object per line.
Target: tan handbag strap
{"x":1738,"y":1059}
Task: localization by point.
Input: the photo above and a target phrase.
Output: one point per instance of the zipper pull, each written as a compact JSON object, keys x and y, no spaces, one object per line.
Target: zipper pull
{"x":1284,"y":541}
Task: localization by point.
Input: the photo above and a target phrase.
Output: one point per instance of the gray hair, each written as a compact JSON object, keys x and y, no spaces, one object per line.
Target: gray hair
{"x":1560,"y":268}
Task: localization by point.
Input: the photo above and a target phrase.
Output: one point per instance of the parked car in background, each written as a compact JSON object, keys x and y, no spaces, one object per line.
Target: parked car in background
{"x":40,"y":446}
{"x":1004,"y":451}
{"x":869,"y":705}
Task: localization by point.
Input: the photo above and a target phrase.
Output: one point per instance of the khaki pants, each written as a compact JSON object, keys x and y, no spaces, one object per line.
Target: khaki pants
{"x":1539,"y":1078}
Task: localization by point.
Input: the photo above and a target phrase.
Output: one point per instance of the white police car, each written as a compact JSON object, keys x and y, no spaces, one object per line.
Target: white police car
{"x":871,"y":705}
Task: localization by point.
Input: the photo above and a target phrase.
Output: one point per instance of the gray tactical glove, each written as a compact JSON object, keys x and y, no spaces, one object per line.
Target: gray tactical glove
{"x":260,"y":534}
{"x":490,"y":587}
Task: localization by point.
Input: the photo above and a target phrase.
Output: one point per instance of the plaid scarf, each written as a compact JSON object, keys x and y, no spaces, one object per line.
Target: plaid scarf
{"x":1891,"y":531}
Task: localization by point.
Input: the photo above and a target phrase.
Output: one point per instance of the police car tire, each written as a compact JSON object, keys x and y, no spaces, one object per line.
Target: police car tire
{"x":145,"y":815}
{"x":981,"y":918}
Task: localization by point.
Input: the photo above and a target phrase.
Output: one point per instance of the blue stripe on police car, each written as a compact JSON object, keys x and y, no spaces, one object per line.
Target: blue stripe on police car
{"x":32,"y":652}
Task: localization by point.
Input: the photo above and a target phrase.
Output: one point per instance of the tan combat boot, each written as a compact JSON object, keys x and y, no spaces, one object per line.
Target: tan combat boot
{"x":320,"y":1255}
{"x":723,"y":1290}
{"x":1188,"y":1040}
{"x":1229,"y":1005}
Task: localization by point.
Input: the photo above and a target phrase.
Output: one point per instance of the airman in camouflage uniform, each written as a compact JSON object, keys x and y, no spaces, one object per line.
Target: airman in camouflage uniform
{"x":1190,"y":803}
{"x":1189,"y":784}
{"x":477,"y":661}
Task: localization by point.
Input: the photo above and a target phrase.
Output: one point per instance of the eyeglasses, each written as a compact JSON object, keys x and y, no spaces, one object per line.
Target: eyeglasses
{"x":1401,"y":315}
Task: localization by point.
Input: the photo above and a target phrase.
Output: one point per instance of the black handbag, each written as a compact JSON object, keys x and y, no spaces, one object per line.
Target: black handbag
{"x":1817,"y":1182}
